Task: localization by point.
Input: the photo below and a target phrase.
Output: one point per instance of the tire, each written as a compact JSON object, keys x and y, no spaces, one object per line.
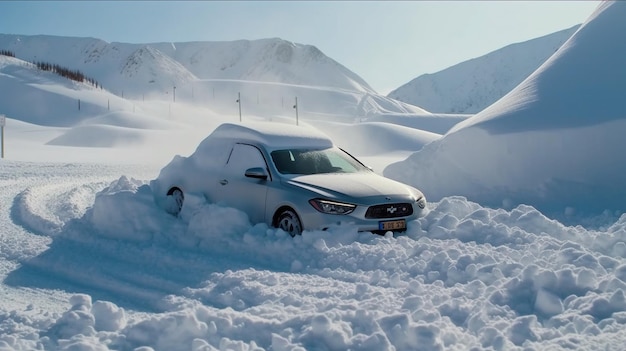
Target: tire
{"x":174,"y":201}
{"x":289,"y":221}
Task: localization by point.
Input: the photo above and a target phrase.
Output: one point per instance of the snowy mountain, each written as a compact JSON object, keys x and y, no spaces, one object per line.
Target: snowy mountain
{"x":267,"y":60}
{"x":554,"y":142}
{"x":471,"y":86}
{"x":264,"y":75}
{"x":116,"y":65}
{"x":148,"y":62}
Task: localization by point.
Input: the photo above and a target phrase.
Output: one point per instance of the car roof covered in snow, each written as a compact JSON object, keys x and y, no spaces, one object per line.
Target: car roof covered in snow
{"x":273,"y":135}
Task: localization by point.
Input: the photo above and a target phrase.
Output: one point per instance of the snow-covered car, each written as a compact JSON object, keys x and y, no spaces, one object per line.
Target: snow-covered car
{"x":291,"y":177}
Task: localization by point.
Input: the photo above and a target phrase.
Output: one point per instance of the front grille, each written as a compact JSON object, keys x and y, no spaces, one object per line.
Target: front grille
{"x":389,"y":211}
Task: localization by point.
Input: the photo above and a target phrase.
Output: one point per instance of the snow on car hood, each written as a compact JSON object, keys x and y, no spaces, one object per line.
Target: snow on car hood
{"x":352,"y":185}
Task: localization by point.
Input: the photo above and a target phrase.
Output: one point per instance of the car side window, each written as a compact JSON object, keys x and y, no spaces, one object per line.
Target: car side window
{"x":244,"y":157}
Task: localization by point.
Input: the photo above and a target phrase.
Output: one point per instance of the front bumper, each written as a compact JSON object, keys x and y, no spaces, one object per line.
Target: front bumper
{"x":315,"y":220}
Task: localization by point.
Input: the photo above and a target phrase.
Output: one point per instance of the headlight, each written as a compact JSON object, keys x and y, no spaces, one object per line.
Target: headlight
{"x":421,"y":202}
{"x":332,"y":207}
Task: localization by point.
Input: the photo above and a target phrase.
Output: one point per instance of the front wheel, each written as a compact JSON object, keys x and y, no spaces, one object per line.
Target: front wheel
{"x":288,"y":221}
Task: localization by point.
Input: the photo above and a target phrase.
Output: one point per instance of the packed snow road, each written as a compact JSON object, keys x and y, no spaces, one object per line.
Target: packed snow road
{"x":88,"y":262}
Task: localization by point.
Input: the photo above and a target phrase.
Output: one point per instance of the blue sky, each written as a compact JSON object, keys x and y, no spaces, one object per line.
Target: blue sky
{"x":387,"y":43}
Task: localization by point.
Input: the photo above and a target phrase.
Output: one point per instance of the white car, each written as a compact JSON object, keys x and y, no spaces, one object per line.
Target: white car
{"x":291,"y":177}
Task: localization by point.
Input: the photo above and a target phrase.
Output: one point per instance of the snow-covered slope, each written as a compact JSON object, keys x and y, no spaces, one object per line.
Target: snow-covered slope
{"x":555,"y":142}
{"x":161,"y":72}
{"x":45,"y":98}
{"x":94,"y":117}
{"x":117,"y":65}
{"x":267,"y":60}
{"x":265,"y":75}
{"x":470,"y":86}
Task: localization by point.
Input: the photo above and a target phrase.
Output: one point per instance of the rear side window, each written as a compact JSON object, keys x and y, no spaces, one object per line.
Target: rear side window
{"x":212,"y":154}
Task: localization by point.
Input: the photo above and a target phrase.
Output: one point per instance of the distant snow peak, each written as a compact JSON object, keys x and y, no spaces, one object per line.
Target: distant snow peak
{"x":471,"y":86}
{"x":284,"y":51}
{"x":145,"y":54}
{"x":122,"y":66}
{"x":150,"y":64}
{"x":95,"y":50}
{"x":314,"y":52}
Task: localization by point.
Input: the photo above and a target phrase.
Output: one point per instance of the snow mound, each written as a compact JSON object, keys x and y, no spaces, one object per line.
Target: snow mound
{"x":463,"y":276}
{"x":554,"y":142}
{"x":130,"y":120}
{"x":277,"y":100}
{"x":99,"y":136}
{"x":435,"y":123}
{"x":373,"y":138}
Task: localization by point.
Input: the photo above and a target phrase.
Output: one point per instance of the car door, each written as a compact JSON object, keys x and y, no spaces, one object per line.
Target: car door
{"x":245,"y":193}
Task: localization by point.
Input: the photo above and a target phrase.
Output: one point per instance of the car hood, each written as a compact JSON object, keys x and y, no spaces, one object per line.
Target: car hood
{"x":355,"y":187}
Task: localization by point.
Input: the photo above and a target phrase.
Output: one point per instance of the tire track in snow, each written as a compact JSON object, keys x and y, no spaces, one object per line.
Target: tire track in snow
{"x":134,"y":274}
{"x":40,"y":207}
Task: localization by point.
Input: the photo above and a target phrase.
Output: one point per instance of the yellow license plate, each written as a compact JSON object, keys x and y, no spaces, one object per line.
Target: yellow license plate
{"x":392,"y":225}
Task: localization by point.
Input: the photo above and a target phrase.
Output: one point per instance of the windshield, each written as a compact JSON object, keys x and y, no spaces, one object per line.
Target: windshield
{"x":299,"y":161}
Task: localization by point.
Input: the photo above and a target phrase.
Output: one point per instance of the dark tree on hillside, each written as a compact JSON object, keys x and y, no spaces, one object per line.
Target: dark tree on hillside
{"x":7,"y":53}
{"x":74,"y":75}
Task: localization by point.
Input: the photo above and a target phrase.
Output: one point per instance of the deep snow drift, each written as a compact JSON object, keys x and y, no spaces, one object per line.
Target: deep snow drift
{"x":91,"y":266}
{"x":89,"y":262}
{"x":554,"y":142}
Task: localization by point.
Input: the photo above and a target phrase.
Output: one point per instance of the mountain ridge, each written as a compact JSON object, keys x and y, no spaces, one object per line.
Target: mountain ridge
{"x":273,"y":60}
{"x":471,"y":86}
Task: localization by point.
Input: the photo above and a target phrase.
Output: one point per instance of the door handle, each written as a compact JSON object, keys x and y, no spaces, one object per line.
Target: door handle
{"x":223,"y":181}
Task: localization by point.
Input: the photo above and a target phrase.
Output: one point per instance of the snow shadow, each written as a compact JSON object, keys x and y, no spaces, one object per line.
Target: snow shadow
{"x":127,"y":250}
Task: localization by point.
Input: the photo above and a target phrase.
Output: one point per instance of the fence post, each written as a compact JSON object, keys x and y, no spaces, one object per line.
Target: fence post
{"x":3,"y":121}
{"x":296,"y":107}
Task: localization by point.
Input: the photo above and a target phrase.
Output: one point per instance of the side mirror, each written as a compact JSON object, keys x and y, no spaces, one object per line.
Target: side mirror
{"x":257,"y":173}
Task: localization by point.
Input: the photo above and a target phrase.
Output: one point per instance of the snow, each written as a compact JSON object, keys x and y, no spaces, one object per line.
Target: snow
{"x":531,"y":147}
{"x":157,"y":67}
{"x":471,"y":86}
{"x":273,"y":136}
{"x":89,"y":262}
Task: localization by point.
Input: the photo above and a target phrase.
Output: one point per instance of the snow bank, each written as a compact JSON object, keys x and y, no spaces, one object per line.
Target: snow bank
{"x":131,"y":120}
{"x":375,"y":138}
{"x":99,"y":136}
{"x":553,"y":142}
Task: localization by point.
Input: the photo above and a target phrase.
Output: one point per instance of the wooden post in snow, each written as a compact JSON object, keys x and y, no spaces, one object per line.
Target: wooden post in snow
{"x":296,"y":107}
